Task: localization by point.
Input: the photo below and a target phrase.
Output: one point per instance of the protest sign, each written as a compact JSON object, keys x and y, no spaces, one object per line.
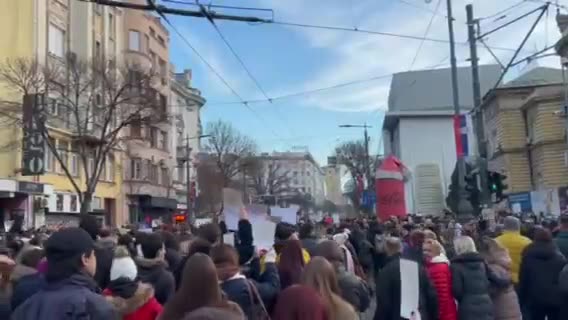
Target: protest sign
{"x":229,"y":238}
{"x":202,"y":221}
{"x":231,"y":215}
{"x":409,"y":289}
{"x":287,"y":215}
{"x":263,"y":234}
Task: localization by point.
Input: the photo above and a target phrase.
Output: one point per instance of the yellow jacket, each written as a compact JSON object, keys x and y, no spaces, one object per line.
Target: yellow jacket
{"x":305,"y":254}
{"x":515,"y":243}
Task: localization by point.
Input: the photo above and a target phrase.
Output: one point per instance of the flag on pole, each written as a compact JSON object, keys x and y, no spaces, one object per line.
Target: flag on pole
{"x":461,"y":135}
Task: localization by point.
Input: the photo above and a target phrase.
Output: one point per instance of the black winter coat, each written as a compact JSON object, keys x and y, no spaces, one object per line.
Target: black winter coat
{"x":389,"y":293}
{"x":26,"y":287}
{"x":174,"y":259}
{"x":541,"y":265}
{"x":353,"y":290}
{"x":268,"y":288}
{"x":470,"y":286}
{"x":104,"y":251}
{"x":74,"y":298}
{"x":154,"y":272}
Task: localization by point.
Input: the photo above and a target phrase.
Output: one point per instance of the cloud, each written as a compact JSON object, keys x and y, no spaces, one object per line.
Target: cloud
{"x":358,"y":55}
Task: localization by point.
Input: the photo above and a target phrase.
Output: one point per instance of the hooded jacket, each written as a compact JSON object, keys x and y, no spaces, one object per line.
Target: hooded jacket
{"x":154,"y":272}
{"x":515,"y":243}
{"x":505,"y":300}
{"x":540,"y":271}
{"x":140,"y":306}
{"x":439,"y":273}
{"x":470,"y":286}
{"x":73,"y":298}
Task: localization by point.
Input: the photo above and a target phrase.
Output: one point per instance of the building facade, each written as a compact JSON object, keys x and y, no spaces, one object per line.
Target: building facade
{"x":148,"y":161}
{"x":50,"y":32}
{"x":419,"y":129}
{"x":186,"y":130}
{"x":525,"y":134}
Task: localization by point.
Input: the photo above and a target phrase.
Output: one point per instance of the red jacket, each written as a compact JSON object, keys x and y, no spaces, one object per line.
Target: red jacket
{"x":141,"y":306}
{"x":441,"y":277}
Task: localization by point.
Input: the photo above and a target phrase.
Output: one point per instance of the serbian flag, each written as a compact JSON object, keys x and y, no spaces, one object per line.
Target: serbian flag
{"x":460,"y":134}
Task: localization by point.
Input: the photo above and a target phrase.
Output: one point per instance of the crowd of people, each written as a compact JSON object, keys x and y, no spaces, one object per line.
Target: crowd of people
{"x":314,"y":271}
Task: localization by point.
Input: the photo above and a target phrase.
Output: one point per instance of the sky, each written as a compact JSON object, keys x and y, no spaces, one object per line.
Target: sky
{"x":286,"y":60}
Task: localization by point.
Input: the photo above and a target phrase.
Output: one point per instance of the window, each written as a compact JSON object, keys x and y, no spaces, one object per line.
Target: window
{"x":110,"y":167}
{"x":161,"y":41}
{"x":134,"y":40}
{"x":147,"y":42}
{"x":136,"y":128}
{"x":308,"y":173}
{"x":152,"y":57}
{"x":98,"y":9}
{"x":53,"y":107}
{"x":163,"y":70}
{"x":163,"y":104}
{"x":164,"y":141}
{"x":56,"y":38}
{"x":74,"y":167}
{"x":111,"y":26}
{"x":103,"y":175}
{"x":97,"y":203}
{"x":153,"y":137}
{"x":135,"y":169}
{"x":62,"y":149}
{"x":73,"y":204}
{"x":49,"y":158}
{"x":295,"y":173}
{"x":90,"y":166}
{"x":181,"y":172}
{"x":152,"y":32}
{"x":97,"y":49}
{"x":165,"y":176}
{"x":153,"y":173}
{"x":59,"y":203}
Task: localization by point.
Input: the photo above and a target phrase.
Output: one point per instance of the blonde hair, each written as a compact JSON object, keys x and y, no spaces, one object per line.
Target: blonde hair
{"x":430,"y":235}
{"x":464,"y":244}
{"x":435,"y":246}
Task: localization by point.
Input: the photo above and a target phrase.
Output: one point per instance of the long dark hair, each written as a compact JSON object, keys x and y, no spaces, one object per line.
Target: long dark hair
{"x":199,"y":288}
{"x":291,"y":263}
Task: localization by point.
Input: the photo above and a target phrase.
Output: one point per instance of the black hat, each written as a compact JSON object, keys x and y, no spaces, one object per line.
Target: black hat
{"x":68,"y":243}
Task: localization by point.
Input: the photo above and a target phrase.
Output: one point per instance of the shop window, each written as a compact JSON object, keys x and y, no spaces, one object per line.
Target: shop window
{"x":73,"y":204}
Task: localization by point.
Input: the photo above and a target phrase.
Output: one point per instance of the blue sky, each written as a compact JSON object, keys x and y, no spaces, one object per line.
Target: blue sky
{"x":287,"y":60}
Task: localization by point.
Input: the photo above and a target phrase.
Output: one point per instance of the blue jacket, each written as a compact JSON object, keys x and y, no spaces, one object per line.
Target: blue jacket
{"x":268,"y":288}
{"x":73,"y":298}
{"x":26,"y":287}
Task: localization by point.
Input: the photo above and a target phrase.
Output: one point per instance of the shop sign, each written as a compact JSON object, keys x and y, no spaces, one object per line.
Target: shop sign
{"x":33,"y":142}
{"x":30,"y":187}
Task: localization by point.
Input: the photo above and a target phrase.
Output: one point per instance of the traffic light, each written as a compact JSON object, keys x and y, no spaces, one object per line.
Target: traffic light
{"x":496,"y":184}
{"x":472,"y":190}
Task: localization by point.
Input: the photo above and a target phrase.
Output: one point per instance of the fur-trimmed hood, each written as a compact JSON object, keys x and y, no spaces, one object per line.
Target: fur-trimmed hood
{"x":143,"y":294}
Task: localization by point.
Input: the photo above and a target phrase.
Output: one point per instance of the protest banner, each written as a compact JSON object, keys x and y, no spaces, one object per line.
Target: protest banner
{"x":263,"y":234}
{"x":229,"y":238}
{"x":409,"y":289}
{"x":202,"y":221}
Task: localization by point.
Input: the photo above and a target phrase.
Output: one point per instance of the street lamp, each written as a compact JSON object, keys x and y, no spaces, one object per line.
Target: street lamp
{"x":187,"y":160}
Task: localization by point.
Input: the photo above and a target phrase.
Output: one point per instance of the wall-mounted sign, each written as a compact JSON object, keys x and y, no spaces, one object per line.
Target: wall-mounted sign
{"x":33,"y":148}
{"x":30,"y":187}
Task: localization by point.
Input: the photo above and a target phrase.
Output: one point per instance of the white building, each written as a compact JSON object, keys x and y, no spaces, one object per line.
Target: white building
{"x":306,"y":176}
{"x":186,"y":128}
{"x":419,"y":129}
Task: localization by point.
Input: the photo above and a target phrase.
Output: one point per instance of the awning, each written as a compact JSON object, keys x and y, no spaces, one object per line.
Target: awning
{"x":147,"y":201}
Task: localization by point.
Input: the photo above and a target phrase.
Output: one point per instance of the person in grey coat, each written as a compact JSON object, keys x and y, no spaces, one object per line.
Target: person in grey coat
{"x":471,"y":282}
{"x":70,"y":292}
{"x":353,"y":289}
{"x":505,"y":300}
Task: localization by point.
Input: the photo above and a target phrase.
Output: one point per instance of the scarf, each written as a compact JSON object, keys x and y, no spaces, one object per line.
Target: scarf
{"x":341,"y":239}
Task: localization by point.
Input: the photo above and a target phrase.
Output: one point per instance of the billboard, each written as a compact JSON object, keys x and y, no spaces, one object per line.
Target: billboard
{"x":33,"y":142}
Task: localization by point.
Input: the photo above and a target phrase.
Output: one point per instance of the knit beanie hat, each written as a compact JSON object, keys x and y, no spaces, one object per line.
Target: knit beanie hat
{"x":122,"y":265}
{"x":68,"y":243}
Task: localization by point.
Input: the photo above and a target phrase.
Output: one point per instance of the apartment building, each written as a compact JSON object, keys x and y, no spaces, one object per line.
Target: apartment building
{"x":185,"y":132}
{"x":149,"y":161}
{"x":51,"y":32}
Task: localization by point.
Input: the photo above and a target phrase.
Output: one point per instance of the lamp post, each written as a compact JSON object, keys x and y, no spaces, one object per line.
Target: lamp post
{"x":187,"y":159}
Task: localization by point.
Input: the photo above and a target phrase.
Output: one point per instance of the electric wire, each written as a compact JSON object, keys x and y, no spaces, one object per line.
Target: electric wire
{"x":425,"y":34}
{"x":501,"y":13}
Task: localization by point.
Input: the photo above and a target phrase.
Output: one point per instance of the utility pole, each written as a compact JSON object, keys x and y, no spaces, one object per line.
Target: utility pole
{"x":464,"y":207}
{"x":478,"y":115}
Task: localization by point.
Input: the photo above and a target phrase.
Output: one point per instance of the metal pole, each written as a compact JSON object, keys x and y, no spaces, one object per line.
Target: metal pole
{"x":188,"y":180}
{"x":367,"y":169}
{"x":482,"y":159}
{"x":464,"y":207}
{"x":565,"y":85}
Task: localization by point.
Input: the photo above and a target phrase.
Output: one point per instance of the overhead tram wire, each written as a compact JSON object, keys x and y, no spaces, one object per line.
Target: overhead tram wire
{"x":501,"y":13}
{"x":410,"y":4}
{"x":380,"y":33}
{"x":425,"y":34}
{"x":242,"y":101}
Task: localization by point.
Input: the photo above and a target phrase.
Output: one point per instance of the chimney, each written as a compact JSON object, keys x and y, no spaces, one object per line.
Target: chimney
{"x":184,"y":78}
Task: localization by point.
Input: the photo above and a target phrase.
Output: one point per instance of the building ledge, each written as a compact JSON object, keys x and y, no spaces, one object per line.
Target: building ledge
{"x":392,"y":117}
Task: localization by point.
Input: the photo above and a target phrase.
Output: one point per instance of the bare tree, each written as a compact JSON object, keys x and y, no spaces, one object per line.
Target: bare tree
{"x":92,"y":102}
{"x":229,"y":148}
{"x":210,"y":183}
{"x":352,"y":154}
{"x":268,"y":177}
